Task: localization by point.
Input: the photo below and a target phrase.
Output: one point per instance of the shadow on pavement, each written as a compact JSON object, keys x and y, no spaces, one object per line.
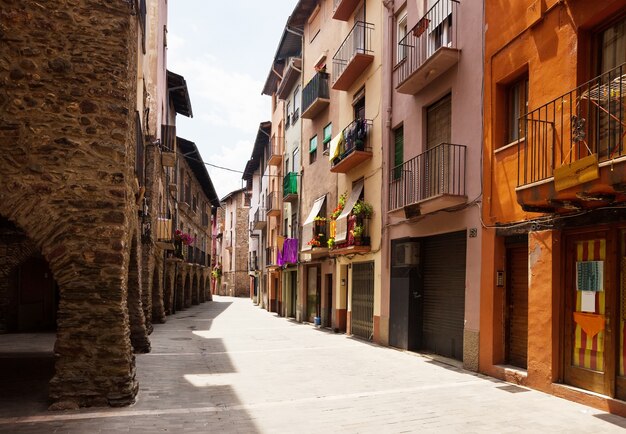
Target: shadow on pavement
{"x":24,"y":379}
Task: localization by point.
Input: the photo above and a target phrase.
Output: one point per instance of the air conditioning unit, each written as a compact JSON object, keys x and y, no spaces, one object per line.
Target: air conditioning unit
{"x":406,"y":254}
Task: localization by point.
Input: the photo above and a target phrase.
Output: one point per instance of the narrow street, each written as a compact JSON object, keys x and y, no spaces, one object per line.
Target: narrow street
{"x":228,"y":366}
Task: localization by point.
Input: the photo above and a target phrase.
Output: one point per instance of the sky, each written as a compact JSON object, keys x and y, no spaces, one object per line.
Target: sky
{"x":224,"y":49}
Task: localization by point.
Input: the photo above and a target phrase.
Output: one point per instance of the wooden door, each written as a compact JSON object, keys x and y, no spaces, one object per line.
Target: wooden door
{"x":590,"y":290}
{"x":517,"y":306}
{"x":438,"y":134}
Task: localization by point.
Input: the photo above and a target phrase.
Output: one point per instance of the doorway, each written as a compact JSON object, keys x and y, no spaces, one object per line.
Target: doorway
{"x":516,"y":307}
{"x":328,"y":312}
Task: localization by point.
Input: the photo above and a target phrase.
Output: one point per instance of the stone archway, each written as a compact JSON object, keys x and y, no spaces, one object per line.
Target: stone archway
{"x":168,"y":290}
{"x":202,"y":289}
{"x":147,"y":273}
{"x":195,"y":296}
{"x":138,"y":330}
{"x":179,"y":290}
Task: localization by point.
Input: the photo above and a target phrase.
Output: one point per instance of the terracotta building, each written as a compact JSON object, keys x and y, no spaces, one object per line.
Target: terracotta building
{"x":552,"y":300}
{"x":432,"y":143}
{"x":234,"y":244}
{"x":86,"y":180}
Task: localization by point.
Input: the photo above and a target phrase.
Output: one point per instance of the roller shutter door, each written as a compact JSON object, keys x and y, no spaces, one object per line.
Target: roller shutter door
{"x":444,"y":294}
{"x":362,"y":322}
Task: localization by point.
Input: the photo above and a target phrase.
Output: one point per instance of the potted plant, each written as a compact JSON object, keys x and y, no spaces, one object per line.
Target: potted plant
{"x":331,"y":243}
{"x":357,"y":233}
{"x":362,"y":209}
{"x":337,"y":211}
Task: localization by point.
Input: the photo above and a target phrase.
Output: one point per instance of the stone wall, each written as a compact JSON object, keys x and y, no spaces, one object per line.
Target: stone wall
{"x":67,"y":150}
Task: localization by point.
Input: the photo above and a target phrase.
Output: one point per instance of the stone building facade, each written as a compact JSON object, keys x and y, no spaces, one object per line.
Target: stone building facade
{"x":234,"y":256}
{"x":86,"y":124}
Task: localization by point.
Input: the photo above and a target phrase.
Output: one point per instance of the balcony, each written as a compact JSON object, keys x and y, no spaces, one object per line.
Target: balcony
{"x":317,"y":245}
{"x":354,"y":149}
{"x":260,"y":220}
{"x":343,"y":9}
{"x":164,"y":233}
{"x":315,"y":96}
{"x":290,"y":187}
{"x":273,"y":205}
{"x":271,"y":262}
{"x":429,"y":49}
{"x":357,"y":240}
{"x":572,"y":153}
{"x":290,"y":77}
{"x":354,"y":56}
{"x":430,"y":182}
{"x":275,"y":157}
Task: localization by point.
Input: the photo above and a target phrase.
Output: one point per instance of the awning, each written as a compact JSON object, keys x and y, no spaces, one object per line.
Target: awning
{"x":317,"y":206}
{"x":307,"y":226}
{"x":342,"y":220}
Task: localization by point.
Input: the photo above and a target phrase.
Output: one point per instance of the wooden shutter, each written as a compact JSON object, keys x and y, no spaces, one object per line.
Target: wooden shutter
{"x":439,"y":122}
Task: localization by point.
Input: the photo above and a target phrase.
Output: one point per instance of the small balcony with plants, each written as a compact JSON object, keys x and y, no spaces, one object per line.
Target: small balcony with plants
{"x":429,"y":49}
{"x":164,"y":233}
{"x":354,"y":56}
{"x":315,"y":95}
{"x":317,"y":244}
{"x":352,"y":147}
{"x":350,"y":228}
{"x":572,"y":154}
{"x":183,"y":242}
{"x":290,"y":187}
{"x":429,"y":182}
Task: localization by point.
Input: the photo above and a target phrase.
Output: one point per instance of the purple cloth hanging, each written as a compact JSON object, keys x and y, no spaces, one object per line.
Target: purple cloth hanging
{"x":290,"y":251}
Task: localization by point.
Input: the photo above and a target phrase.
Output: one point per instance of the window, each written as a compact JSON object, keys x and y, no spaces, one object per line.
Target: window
{"x":398,"y":152}
{"x":401,"y":33}
{"x":441,"y":25}
{"x":517,"y":105}
{"x":328,"y":136}
{"x":296,"y":159}
{"x":296,"y":104}
{"x":288,"y":115}
{"x":358,"y":103}
{"x":294,"y":225}
{"x":313,"y":149}
{"x":195,"y":203}
{"x":314,"y":23}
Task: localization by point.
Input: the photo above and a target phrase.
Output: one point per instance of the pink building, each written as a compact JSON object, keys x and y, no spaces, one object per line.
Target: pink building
{"x":432,"y":156}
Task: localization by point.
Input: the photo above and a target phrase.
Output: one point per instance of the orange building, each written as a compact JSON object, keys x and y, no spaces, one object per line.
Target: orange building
{"x":553,"y":307}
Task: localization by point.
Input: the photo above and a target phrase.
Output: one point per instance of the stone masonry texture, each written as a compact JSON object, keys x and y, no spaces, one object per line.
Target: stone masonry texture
{"x":67,"y":97}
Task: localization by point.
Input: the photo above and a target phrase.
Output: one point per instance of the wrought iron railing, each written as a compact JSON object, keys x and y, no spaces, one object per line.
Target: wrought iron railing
{"x":358,"y":232}
{"x":259,"y":216}
{"x":358,"y":41}
{"x":272,"y":201}
{"x":316,"y":88}
{"x":290,"y":184}
{"x":588,"y":120}
{"x":436,"y":29}
{"x":438,"y":171}
{"x":356,"y":137}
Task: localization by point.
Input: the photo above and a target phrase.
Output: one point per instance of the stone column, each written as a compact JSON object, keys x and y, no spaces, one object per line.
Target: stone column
{"x":158,"y":295}
{"x":138,"y":330}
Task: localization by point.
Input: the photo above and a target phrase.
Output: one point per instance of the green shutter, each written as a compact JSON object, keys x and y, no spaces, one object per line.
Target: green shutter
{"x":313,"y":144}
{"x":398,"y":152}
{"x":328,"y":132}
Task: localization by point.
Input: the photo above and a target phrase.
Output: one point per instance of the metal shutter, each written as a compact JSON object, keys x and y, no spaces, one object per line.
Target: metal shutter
{"x":362,"y":322}
{"x":517,"y":301}
{"x":444,"y":294}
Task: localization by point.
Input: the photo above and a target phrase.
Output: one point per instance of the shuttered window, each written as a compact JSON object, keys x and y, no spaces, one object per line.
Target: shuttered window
{"x":439,"y":122}
{"x":398,"y":152}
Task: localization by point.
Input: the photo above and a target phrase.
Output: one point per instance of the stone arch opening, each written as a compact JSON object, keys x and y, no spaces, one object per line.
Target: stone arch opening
{"x":158,"y":310}
{"x":187,"y":291}
{"x":202,"y":290}
{"x":138,"y":331}
{"x":195,"y":296}
{"x":29,"y":301}
{"x":179,"y":290}
{"x":168,"y":292}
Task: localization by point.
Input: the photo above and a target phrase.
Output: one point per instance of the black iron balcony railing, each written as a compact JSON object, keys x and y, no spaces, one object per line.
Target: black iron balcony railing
{"x":272,"y":202}
{"x":589,"y":120}
{"x":358,"y":233}
{"x":358,"y":41}
{"x":275,"y":156}
{"x":436,"y":29}
{"x":314,"y":91}
{"x":438,"y":171}
{"x":260,"y":219}
{"x":356,"y":137}
{"x":290,"y":184}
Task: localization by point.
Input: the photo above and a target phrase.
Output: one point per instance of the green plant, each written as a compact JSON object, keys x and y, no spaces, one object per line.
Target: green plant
{"x":331,"y":243}
{"x":362,"y":209}
{"x":319,"y":219}
{"x":337,"y":211}
{"x":357,"y":231}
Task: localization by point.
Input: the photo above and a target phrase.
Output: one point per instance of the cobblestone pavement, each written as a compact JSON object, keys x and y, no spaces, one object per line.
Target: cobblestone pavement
{"x":228,"y":366}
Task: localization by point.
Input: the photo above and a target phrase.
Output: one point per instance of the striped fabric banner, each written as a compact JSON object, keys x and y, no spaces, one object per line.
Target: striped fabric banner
{"x":589,"y":351}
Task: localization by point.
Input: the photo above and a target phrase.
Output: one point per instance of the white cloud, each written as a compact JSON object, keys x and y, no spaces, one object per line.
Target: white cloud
{"x":235,"y":156}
